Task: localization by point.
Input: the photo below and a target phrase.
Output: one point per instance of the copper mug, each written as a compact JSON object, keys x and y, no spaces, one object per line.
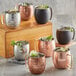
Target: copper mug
{"x":25,"y":11}
{"x":46,"y":47}
{"x":62,"y":60}
{"x":37,"y":65}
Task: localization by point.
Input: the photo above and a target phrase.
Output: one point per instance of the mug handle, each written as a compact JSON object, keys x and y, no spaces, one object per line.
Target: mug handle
{"x":70,"y":65}
{"x":73,"y":33}
{"x":51,"y":13}
{"x":17,"y":6}
{"x":2,"y":21}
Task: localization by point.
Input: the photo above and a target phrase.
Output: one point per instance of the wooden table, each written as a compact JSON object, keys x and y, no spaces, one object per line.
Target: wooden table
{"x":28,"y":30}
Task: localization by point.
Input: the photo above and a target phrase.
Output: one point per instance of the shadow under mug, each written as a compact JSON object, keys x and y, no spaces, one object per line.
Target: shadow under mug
{"x":11,"y":19}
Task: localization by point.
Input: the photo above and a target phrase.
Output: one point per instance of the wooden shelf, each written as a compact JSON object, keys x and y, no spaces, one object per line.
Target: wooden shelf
{"x":28,"y":30}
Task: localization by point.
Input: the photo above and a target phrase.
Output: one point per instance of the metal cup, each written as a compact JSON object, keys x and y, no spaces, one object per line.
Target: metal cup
{"x":11,"y":19}
{"x":21,"y":55}
{"x":62,"y":59}
{"x":26,"y":12}
{"x":46,"y":47}
{"x":37,"y":65}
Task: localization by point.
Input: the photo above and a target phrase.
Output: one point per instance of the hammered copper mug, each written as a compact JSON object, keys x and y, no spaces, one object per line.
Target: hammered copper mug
{"x":26,"y":11}
{"x":46,"y":47}
{"x":62,"y":60}
{"x":36,"y":65}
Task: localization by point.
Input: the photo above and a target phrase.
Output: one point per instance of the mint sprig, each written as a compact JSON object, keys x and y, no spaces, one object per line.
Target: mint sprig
{"x":43,"y":6}
{"x":36,"y":54}
{"x":13,"y":43}
{"x":19,"y":44}
{"x":61,"y":49}
{"x":49,"y":38}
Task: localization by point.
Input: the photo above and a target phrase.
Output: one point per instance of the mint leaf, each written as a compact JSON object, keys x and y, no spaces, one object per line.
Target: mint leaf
{"x":13,"y":43}
{"x":61,"y":49}
{"x":49,"y":38}
{"x":43,"y":6}
{"x":34,"y":53}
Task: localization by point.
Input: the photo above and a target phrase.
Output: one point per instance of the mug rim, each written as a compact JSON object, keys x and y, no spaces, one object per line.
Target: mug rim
{"x":36,"y":7}
{"x":59,"y":29}
{"x":62,"y":51}
{"x":10,"y":12}
{"x":37,"y":57}
{"x":64,"y":30}
{"x":46,"y":41}
{"x":23,"y":5}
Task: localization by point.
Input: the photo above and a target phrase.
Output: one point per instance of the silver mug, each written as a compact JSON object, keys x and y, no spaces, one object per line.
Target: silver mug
{"x":11,"y":19}
{"x":19,"y":54}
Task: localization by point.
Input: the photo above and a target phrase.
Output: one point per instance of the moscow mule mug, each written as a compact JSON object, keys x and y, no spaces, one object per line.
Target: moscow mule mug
{"x":11,"y":19}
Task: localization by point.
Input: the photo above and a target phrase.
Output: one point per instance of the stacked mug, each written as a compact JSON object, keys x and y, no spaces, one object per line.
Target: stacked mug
{"x":62,"y":58}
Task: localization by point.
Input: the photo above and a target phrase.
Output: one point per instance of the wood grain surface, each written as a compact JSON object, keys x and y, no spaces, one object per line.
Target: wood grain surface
{"x":28,"y":30}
